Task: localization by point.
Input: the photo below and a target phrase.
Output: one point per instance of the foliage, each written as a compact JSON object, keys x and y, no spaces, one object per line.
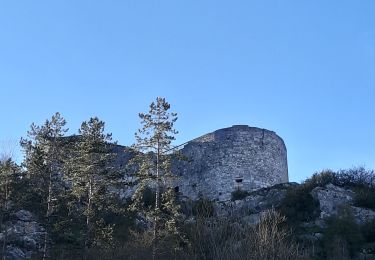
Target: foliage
{"x":203,"y":208}
{"x":90,"y":173}
{"x":351,"y":178}
{"x":66,"y":182}
{"x":234,"y":238}
{"x":153,"y":159}
{"x":43,"y":158}
{"x":9,"y":175}
{"x":319,"y":180}
{"x":342,"y":236}
{"x":299,"y":206}
{"x":368,"y":230}
{"x":365,"y":197}
{"x":239,"y":194}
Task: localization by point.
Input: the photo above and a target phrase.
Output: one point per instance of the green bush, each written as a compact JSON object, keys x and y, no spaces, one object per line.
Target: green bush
{"x":298,"y":206}
{"x":239,"y":194}
{"x":351,"y":178}
{"x":319,"y":180}
{"x":342,"y":236}
{"x":355,"y":177}
{"x":368,"y":231}
{"x":203,"y":208}
{"x":365,"y":197}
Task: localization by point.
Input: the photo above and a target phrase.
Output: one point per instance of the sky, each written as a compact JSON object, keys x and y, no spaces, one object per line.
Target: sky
{"x":304,"y":69}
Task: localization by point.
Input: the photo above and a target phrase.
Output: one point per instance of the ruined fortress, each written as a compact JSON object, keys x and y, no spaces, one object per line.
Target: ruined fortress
{"x":238,"y":157}
{"x":218,"y":163}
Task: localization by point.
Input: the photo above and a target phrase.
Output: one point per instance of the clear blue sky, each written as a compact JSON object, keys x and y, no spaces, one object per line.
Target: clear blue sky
{"x":304,"y":69}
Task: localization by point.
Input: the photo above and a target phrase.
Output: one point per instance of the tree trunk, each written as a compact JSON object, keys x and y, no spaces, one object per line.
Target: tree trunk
{"x":157,"y":204}
{"x":1,"y":227}
{"x":88,"y":218}
{"x":4,"y":245}
{"x":4,"y":210}
{"x":48,"y":213}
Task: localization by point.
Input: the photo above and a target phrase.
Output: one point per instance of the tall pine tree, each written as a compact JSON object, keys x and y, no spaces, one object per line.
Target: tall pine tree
{"x":43,"y":160}
{"x":153,"y":156}
{"x":9,"y":174}
{"x":90,"y":174}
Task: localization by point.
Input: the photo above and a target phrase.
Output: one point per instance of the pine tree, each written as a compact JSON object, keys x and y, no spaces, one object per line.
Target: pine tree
{"x":9,"y":173}
{"x":90,"y":173}
{"x":43,"y":160}
{"x":153,"y":156}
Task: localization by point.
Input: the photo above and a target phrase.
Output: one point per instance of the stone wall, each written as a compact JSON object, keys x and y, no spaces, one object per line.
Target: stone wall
{"x":218,"y":163}
{"x":242,"y":157}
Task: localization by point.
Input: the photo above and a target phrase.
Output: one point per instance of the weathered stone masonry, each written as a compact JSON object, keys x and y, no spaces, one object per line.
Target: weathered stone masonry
{"x":217,"y":163}
{"x":242,"y":157}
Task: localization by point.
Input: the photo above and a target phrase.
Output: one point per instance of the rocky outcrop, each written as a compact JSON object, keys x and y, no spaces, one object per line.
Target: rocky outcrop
{"x":332,"y":198}
{"x":23,"y":235}
{"x":255,"y":203}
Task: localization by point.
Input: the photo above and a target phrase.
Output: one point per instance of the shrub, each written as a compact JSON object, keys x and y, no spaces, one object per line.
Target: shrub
{"x":319,"y":180}
{"x":239,"y":194}
{"x":365,"y":197}
{"x":298,"y":205}
{"x":232,"y":238}
{"x":355,"y":177}
{"x":203,"y":208}
{"x":352,"y":178}
{"x":342,"y":236}
{"x":368,"y":231}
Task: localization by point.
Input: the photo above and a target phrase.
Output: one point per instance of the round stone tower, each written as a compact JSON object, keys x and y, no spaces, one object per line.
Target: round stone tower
{"x":238,"y":157}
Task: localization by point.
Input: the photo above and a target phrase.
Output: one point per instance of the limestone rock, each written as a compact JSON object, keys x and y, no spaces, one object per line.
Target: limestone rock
{"x":256,"y":202}
{"x":331,"y":198}
{"x":363,"y":215}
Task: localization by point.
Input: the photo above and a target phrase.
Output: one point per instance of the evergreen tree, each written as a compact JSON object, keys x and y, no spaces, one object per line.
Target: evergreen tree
{"x":43,"y":160}
{"x":90,"y":173}
{"x":153,"y":156}
{"x":9,"y":173}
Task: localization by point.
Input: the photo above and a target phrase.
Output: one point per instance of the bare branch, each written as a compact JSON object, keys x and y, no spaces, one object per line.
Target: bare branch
{"x":7,"y":149}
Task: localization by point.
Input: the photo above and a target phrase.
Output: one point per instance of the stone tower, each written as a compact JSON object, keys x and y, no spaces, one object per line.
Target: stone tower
{"x":238,"y":157}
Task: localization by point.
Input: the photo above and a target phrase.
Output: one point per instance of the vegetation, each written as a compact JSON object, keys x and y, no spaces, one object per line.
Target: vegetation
{"x":299,"y":206}
{"x":8,"y":177}
{"x":89,"y":174}
{"x":239,"y":194}
{"x":356,"y":178}
{"x":342,"y":236}
{"x":153,"y":158}
{"x":203,"y":208}
{"x":234,"y":238}
{"x":69,"y":184}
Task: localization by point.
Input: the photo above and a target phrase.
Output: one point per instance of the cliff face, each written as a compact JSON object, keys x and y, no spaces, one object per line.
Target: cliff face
{"x":241,"y":157}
